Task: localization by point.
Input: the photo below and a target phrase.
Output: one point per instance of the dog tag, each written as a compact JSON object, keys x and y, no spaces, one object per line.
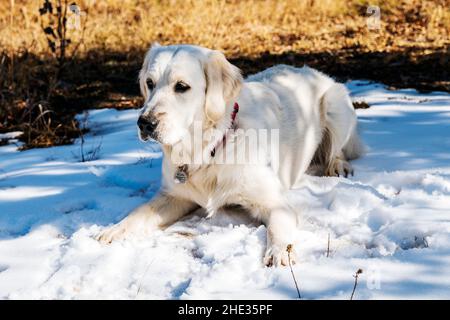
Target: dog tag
{"x":181,"y":175}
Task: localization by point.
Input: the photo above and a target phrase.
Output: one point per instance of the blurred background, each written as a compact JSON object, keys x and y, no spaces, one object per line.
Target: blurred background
{"x":58,"y":58}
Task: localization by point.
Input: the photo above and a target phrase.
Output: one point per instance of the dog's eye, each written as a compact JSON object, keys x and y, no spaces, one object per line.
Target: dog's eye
{"x":150,"y":84}
{"x":181,"y":87}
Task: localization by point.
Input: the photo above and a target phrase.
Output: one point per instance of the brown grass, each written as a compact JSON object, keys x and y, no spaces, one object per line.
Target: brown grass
{"x":104,"y":55}
{"x":239,"y":28}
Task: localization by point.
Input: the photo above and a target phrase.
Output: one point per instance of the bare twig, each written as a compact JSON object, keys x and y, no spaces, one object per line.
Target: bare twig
{"x":356,"y":282}
{"x":93,"y":153}
{"x":328,"y":246}
{"x":142,"y":278}
{"x":11,"y":26}
{"x":289,"y":250}
{"x":54,"y":25}
{"x":42,"y":113}
{"x":82,"y":145}
{"x":83,"y":31}
{"x":62,"y":32}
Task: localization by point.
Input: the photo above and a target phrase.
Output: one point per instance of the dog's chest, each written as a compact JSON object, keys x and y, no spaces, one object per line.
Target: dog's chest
{"x":208,"y":187}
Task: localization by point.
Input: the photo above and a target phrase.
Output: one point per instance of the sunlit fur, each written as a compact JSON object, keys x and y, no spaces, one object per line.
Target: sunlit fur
{"x":317,"y":132}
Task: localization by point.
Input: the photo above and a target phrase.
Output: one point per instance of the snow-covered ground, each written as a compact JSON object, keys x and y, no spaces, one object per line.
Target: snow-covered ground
{"x":392,"y":219}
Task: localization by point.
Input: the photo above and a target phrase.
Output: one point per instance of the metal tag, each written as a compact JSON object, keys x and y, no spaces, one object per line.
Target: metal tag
{"x":181,"y":175}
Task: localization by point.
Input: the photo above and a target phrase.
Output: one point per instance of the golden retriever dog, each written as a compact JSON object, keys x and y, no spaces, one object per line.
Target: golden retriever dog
{"x":208,"y":119}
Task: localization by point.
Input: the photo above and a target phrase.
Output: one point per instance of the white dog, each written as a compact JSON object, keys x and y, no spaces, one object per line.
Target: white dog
{"x":185,"y":86}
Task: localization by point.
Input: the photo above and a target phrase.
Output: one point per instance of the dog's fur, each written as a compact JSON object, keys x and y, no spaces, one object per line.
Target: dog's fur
{"x":317,"y":134}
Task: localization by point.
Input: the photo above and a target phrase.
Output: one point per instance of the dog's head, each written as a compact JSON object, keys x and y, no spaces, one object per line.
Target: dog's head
{"x":182,"y":84}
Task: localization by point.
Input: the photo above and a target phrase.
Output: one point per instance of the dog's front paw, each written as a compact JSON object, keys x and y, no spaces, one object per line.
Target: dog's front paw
{"x":279,"y":255}
{"x":113,"y":233}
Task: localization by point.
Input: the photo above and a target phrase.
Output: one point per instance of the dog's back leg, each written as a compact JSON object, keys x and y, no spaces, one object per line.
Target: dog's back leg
{"x":340,"y":141}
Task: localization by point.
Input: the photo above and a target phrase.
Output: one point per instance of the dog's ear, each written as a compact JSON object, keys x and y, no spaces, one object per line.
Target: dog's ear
{"x":224,"y":82}
{"x":144,"y":69}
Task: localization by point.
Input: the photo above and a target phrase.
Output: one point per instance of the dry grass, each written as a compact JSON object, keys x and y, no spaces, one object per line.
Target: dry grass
{"x":240,"y":28}
{"x":105,"y":53}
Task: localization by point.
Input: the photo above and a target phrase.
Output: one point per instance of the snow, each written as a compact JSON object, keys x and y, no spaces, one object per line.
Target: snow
{"x":392,"y":219}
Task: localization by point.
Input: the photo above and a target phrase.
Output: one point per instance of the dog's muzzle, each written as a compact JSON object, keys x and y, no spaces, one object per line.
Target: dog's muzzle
{"x":147,"y":126}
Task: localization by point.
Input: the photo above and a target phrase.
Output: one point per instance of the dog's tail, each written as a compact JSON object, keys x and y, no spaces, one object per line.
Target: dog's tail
{"x":354,"y":148}
{"x":339,"y":128}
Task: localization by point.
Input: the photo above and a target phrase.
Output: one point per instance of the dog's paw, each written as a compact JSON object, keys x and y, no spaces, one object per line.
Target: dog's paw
{"x":339,"y":167}
{"x":279,"y":255}
{"x":113,"y":233}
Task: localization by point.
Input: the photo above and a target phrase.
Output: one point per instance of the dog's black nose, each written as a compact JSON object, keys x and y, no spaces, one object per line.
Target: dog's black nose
{"x":147,"y":124}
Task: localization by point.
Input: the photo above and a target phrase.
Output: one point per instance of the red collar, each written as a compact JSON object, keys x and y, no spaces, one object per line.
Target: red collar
{"x":233,"y":126}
